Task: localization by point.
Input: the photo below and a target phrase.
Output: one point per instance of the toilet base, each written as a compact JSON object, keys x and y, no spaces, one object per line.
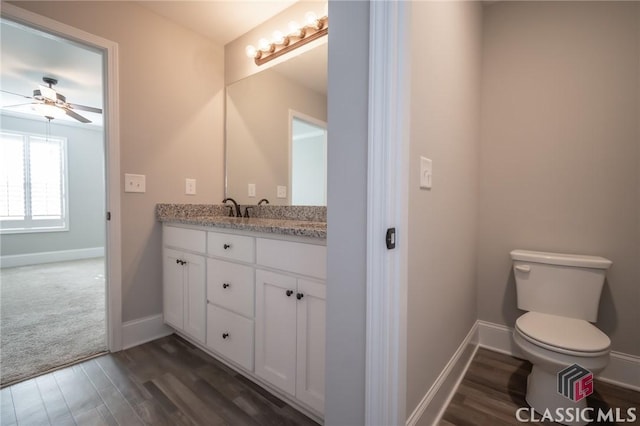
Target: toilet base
{"x":543,"y":397}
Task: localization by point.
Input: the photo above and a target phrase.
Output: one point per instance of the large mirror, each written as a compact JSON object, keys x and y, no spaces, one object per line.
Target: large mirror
{"x":276,"y":137}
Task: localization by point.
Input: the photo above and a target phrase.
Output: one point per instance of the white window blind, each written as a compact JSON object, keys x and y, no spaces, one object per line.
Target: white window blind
{"x":33,"y":179}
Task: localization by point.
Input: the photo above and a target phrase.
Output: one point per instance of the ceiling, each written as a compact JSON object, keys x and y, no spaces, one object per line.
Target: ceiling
{"x":221,"y":21}
{"x":26,"y":55}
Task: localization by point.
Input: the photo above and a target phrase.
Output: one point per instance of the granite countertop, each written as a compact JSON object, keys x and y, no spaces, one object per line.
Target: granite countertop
{"x":189,"y":215}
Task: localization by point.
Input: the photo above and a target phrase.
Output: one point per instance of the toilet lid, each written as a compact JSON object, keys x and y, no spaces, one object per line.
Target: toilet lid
{"x":564,"y":333}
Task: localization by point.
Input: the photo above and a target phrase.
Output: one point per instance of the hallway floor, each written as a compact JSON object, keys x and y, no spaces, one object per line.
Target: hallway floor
{"x":164,"y":382}
{"x":494,"y":388}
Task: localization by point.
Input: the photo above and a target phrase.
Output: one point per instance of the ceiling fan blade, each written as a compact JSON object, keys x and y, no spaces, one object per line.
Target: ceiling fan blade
{"x":75,"y":115}
{"x":86,"y":108}
{"x":17,"y":94}
{"x":16,"y":105}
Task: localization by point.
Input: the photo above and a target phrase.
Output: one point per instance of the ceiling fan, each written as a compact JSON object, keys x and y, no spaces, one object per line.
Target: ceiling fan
{"x":50,"y":103}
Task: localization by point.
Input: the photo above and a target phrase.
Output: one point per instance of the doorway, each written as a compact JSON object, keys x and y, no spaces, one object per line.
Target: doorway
{"x":94,"y":266}
{"x":308,"y":160}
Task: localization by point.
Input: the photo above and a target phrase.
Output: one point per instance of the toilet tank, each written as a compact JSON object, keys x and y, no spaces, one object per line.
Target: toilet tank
{"x":568,"y":285}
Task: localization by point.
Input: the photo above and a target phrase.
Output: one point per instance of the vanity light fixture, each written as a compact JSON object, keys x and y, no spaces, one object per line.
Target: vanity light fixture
{"x":298,"y":35}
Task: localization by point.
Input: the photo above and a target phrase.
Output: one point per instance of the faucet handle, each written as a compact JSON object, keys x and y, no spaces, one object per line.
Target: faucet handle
{"x":230,"y":210}
{"x":246,"y":211}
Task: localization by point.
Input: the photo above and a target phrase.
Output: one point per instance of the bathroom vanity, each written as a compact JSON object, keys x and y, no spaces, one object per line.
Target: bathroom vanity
{"x":251,"y":293}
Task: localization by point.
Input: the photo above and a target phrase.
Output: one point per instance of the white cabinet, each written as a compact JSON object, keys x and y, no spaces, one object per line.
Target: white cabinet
{"x":290,"y":335}
{"x":257,"y":303}
{"x":184,"y":286}
{"x":311,"y":321}
{"x":276,"y":329}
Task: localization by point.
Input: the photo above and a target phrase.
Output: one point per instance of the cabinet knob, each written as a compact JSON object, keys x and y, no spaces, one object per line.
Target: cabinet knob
{"x":226,"y":285}
{"x":225,"y":335}
{"x":289,"y":293}
{"x":299,"y":296}
{"x":226,"y":246}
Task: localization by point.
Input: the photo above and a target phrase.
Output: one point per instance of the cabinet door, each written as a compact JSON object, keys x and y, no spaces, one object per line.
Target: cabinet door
{"x":172,"y":288}
{"x":195,"y":299}
{"x":311,"y":343}
{"x":275,"y":323}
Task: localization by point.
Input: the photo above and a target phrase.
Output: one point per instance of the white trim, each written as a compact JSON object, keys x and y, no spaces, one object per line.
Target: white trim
{"x":14,"y":260}
{"x":109,"y":50}
{"x":623,"y":369}
{"x":387,"y":200}
{"x":144,"y":330}
{"x":435,"y":401}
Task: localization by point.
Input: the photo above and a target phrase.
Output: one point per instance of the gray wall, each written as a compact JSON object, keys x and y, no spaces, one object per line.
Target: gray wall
{"x":560,"y":150}
{"x":85,"y":162}
{"x":171,"y":127}
{"x":257,"y":131}
{"x":347,"y":212}
{"x":445,"y":123}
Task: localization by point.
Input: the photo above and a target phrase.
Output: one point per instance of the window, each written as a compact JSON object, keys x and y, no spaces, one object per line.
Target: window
{"x":33,"y":183}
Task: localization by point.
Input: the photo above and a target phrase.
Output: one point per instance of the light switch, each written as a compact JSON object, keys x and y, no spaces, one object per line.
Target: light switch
{"x":190,"y":186}
{"x":282,"y":191}
{"x":134,"y":183}
{"x":252,"y":190}
{"x":426,"y":172}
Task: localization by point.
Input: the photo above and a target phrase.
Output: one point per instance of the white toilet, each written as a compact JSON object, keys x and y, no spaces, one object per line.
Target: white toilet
{"x":561,"y":293}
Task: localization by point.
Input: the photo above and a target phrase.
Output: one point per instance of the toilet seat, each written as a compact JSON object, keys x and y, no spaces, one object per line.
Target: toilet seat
{"x":563,"y":335}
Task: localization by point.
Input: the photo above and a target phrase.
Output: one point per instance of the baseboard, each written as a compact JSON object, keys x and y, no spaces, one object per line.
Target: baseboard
{"x":434,"y":403}
{"x":144,"y":330}
{"x":50,"y":257}
{"x":623,"y":369}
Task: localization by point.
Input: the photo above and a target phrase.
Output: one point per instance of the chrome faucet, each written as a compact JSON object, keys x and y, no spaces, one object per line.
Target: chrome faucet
{"x":236,"y":206}
{"x":264,"y":200}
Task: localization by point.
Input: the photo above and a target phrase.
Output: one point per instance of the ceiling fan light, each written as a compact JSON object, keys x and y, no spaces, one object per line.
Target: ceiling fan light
{"x":48,"y":93}
{"x":47,"y":110}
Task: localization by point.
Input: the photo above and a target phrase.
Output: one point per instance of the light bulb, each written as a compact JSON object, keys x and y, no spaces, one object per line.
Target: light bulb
{"x":294,"y":29}
{"x":311,"y":19}
{"x":278,"y":37}
{"x":264,"y":44}
{"x":251,"y":51}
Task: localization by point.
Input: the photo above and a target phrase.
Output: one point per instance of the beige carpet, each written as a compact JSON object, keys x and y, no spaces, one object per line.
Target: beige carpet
{"x":50,"y":315}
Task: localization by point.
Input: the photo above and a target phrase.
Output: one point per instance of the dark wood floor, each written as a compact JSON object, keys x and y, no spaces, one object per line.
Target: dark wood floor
{"x":494,"y":388}
{"x":165,"y":382}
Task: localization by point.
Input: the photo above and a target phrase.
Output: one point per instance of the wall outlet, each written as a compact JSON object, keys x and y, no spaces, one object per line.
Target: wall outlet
{"x":190,"y":186}
{"x":281,"y":192}
{"x":252,"y":190}
{"x":134,"y":183}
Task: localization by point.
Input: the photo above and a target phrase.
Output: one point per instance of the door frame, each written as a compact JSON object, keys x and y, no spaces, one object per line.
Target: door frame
{"x":387,"y":207}
{"x":109,"y":50}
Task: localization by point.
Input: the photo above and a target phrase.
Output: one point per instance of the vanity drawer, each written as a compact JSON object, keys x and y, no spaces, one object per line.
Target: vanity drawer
{"x":230,"y":335}
{"x":299,"y":258}
{"x":236,"y":247}
{"x":230,"y":285}
{"x":182,"y":238}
